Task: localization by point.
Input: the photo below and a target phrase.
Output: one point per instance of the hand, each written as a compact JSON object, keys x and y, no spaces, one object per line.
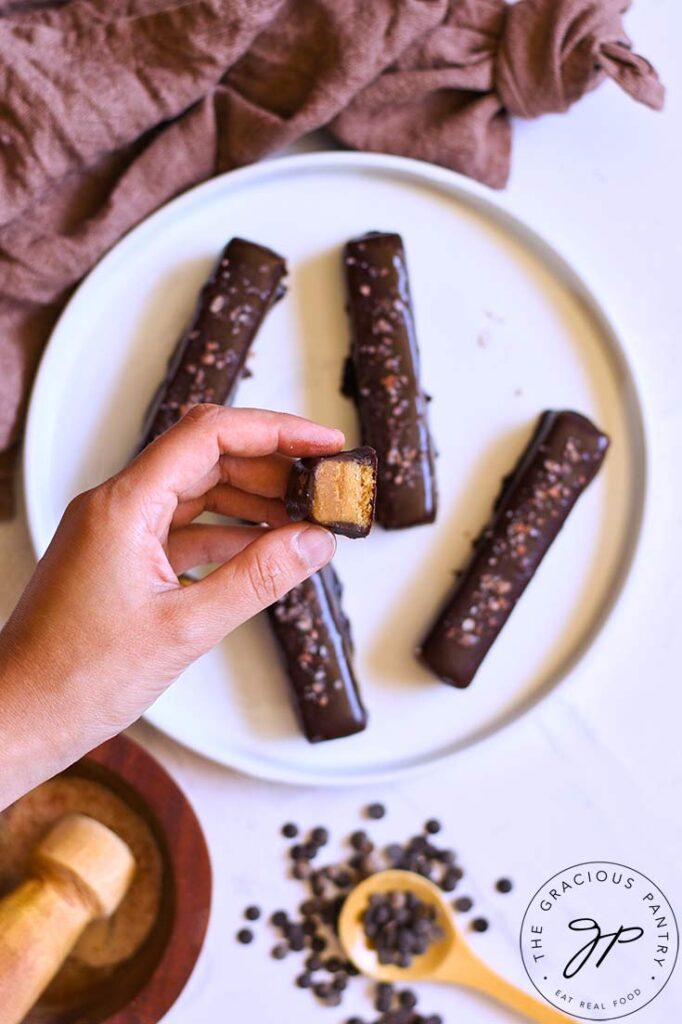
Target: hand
{"x":105,"y":625}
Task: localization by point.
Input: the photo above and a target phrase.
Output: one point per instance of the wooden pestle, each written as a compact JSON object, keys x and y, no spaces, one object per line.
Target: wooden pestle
{"x":81,"y":871}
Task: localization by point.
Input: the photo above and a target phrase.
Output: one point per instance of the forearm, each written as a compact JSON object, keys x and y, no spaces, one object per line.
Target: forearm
{"x":46,"y":721}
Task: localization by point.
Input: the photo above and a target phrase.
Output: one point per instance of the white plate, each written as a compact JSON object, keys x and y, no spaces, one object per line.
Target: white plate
{"x":506,"y":328}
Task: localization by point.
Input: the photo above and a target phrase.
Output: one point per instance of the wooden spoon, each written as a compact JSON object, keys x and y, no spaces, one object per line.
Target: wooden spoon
{"x":448,"y":959}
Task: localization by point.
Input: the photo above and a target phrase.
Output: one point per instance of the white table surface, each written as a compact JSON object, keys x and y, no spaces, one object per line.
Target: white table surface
{"x":596,"y":771}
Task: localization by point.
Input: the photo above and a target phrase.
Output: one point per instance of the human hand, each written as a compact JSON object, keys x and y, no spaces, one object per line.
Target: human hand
{"x":105,"y":625}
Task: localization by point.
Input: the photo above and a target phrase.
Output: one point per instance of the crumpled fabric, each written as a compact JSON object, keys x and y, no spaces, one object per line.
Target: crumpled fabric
{"x":108,"y":108}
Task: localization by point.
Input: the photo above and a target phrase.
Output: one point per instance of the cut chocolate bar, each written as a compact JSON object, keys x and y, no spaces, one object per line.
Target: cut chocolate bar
{"x":314,"y":639}
{"x":382,"y":377}
{"x":336,"y":491}
{"x":208,"y":361}
{"x":562,"y":458}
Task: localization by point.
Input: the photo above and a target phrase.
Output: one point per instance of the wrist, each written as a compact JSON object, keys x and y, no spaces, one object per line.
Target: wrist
{"x":42,"y":728}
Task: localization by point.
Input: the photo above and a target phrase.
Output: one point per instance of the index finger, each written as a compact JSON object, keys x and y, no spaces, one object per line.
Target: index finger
{"x":169,"y":468}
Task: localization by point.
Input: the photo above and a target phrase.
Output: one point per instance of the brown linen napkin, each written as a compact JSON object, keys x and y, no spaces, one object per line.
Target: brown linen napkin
{"x":108,"y":108}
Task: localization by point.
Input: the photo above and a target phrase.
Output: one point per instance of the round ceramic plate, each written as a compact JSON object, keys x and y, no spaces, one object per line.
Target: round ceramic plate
{"x":507,"y":329}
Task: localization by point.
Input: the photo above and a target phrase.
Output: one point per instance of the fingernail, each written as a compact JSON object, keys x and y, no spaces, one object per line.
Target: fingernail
{"x":316,"y":546}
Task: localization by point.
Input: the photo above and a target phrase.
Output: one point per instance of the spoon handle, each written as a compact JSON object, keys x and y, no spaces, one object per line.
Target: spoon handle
{"x":474,"y":973}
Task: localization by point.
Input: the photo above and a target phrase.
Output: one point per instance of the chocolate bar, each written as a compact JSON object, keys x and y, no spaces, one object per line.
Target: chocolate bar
{"x":336,"y":491}
{"x":562,"y":458}
{"x":208,"y":361}
{"x":315,"y":642}
{"x":382,"y":377}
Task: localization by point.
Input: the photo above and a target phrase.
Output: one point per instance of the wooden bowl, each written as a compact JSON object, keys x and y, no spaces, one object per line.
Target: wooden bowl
{"x":143,"y":988}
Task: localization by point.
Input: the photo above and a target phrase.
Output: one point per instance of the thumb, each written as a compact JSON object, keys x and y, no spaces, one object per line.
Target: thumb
{"x":256,"y":577}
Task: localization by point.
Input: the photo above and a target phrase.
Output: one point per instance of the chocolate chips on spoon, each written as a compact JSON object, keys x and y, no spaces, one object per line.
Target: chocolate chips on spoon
{"x":400,"y":926}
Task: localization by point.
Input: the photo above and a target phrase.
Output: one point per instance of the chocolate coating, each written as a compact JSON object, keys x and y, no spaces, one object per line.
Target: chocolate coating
{"x":315,"y":643}
{"x":382,"y":377}
{"x":300,"y":493}
{"x":208,"y":361}
{"x":561,"y":459}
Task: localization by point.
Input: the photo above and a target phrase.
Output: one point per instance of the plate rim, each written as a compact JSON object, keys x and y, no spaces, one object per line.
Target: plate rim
{"x":500,"y":209}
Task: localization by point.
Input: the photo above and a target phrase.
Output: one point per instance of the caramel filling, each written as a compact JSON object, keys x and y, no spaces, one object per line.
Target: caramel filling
{"x":344,"y":493}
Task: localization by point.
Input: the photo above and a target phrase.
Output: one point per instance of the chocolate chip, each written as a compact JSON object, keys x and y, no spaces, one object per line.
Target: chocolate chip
{"x":448,"y":881}
{"x":503,"y":885}
{"x":361,"y":842}
{"x":376,"y":811}
{"x":479,"y":924}
{"x":383,"y":997}
{"x":314,"y":962}
{"x":407,"y":998}
{"x":289,"y":831}
{"x":245,"y":935}
{"x":252,"y":913}
{"x":432,"y":826}
{"x":304,"y":980}
{"x":394,"y":853}
{"x":318,"y":944}
{"x":463,"y":904}
{"x":319,"y":836}
{"x":279,"y":952}
{"x":280,"y":919}
{"x":333,"y":964}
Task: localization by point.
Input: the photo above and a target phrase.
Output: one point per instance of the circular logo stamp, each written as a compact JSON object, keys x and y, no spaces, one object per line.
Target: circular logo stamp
{"x":599,"y":940}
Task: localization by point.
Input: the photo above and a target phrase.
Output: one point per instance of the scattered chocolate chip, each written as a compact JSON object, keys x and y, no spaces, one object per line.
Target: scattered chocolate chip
{"x":399,"y":931}
{"x":245,"y":935}
{"x":504,"y":885}
{"x":449,"y":880}
{"x":479,"y":924}
{"x":407,"y":998}
{"x":383,"y":997}
{"x":361,"y":842}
